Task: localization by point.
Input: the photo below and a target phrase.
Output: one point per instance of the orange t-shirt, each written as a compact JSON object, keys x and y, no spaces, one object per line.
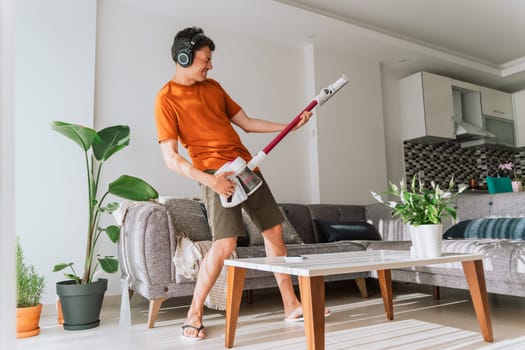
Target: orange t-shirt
{"x":199,"y":117}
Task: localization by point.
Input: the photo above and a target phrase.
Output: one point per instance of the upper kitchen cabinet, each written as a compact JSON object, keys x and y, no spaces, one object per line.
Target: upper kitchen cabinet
{"x":519,"y":118}
{"x":427,"y":107}
{"x":496,"y":103}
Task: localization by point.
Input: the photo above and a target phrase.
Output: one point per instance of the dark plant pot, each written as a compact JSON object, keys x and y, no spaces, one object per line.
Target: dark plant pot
{"x":81,"y":303}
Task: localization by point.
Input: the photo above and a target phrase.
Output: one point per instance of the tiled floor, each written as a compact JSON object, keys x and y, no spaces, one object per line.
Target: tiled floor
{"x":356,"y":323}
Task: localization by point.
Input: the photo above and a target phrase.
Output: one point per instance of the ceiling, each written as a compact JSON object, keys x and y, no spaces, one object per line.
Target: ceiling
{"x":480,"y":42}
{"x":490,"y":34}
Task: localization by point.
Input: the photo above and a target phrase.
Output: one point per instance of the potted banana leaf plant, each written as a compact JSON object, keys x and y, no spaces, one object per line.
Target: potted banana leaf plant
{"x":80,"y":296}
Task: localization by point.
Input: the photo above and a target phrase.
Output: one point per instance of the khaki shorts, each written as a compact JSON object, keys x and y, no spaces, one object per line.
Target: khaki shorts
{"x":227,"y":222}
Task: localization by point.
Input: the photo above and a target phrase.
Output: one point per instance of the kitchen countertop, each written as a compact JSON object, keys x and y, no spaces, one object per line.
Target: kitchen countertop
{"x":476,"y":191}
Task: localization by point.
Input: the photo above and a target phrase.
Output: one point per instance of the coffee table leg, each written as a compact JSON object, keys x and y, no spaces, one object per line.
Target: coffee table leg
{"x":233,"y":302}
{"x":312,"y":300}
{"x":478,"y":292}
{"x":385,"y":283}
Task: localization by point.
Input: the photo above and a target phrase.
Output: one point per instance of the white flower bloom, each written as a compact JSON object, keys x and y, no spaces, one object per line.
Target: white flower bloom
{"x":462,"y":188}
{"x":377,"y":197}
{"x":392,"y":204}
{"x":394,"y":187}
{"x":402,"y":197}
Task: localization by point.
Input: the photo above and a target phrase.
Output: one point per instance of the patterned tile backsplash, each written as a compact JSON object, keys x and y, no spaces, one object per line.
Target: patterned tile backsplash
{"x":439,"y":162}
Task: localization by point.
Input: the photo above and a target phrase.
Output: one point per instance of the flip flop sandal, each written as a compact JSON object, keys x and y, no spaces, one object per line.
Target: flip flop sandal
{"x":297,"y":315}
{"x":198,"y":329}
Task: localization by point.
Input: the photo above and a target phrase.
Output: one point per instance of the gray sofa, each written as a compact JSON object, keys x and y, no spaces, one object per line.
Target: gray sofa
{"x":504,"y":262}
{"x":148,"y":243}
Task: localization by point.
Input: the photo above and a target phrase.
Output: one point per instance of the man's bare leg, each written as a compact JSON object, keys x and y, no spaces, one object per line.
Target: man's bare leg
{"x":210,"y":269}
{"x":274,"y":246}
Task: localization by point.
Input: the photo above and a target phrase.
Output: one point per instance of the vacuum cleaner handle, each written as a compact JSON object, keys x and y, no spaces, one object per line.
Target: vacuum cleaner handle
{"x":320,"y":99}
{"x":246,"y":181}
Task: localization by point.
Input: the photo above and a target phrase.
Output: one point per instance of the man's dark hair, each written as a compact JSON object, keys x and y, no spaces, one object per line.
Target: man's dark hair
{"x":183,"y":37}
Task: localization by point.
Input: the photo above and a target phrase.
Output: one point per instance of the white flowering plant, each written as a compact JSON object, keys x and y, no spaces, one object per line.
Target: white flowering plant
{"x":420,"y":205}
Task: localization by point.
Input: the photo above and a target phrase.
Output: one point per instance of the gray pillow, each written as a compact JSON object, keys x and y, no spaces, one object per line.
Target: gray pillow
{"x":290,"y":235}
{"x":189,"y":217}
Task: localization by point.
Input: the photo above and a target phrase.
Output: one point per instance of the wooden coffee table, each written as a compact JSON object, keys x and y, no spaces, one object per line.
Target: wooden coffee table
{"x":312,"y":269}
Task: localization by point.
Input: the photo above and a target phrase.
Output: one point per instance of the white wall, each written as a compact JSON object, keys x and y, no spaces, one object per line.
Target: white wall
{"x":7,"y":211}
{"x":54,"y":80}
{"x":350,"y":130}
{"x":134,"y":61}
{"x":392,"y":121}
{"x":337,"y":158}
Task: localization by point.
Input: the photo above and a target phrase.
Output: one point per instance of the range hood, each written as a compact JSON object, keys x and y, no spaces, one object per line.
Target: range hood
{"x":468,"y":116}
{"x":468,"y":131}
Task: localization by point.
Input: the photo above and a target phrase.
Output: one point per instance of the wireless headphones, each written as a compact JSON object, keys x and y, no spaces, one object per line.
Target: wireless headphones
{"x":184,"y":55}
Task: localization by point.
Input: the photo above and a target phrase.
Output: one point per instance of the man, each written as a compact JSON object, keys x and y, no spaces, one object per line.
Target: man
{"x":196,"y":111}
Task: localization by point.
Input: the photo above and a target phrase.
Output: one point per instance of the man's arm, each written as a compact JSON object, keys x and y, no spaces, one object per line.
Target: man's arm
{"x":219,"y":183}
{"x":249,"y":124}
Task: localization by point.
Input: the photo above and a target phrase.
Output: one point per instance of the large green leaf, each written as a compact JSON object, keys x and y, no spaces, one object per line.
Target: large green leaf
{"x":132,"y":188}
{"x":110,"y":141}
{"x":82,"y":135}
{"x":74,"y":277}
{"x":61,"y":266}
{"x":109,"y":264}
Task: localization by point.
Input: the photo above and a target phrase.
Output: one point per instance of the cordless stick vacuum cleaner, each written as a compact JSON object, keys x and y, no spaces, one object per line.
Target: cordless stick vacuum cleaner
{"x":246,"y":181}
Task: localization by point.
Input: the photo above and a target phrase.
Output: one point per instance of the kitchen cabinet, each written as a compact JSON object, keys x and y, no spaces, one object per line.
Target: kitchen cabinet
{"x":427,"y":108}
{"x":496,"y":103}
{"x":503,"y":130}
{"x":519,"y":117}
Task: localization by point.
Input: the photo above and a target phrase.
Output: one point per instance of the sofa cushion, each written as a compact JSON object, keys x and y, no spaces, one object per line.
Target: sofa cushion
{"x":347,"y":230}
{"x":189,"y":217}
{"x":390,"y":228}
{"x":290,"y":235}
{"x":299,"y":216}
{"x":335,"y":212}
{"x":505,"y":228}
{"x":506,"y":205}
{"x":474,"y":206}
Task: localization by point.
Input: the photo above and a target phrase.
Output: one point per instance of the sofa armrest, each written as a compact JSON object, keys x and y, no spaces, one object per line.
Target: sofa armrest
{"x":391,"y":229}
{"x":146,"y":246}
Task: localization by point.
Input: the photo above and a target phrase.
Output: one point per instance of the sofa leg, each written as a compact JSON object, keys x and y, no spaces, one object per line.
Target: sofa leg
{"x":249,"y":296}
{"x":361,"y":285}
{"x":154,"y":308}
{"x":435,"y":292}
{"x":130,"y":293}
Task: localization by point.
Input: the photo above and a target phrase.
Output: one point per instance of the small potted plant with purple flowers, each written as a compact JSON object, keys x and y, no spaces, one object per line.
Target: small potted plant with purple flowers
{"x":509,"y":169}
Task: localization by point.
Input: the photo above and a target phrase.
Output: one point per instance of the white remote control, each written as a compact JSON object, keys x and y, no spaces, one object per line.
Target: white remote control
{"x":293,"y":258}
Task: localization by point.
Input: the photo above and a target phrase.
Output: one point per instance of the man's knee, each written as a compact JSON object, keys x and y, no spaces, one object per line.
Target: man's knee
{"x":275,"y":232}
{"x":225,"y":246}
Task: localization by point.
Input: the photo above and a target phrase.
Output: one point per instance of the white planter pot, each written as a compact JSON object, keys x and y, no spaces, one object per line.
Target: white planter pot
{"x":426,"y":240}
{"x":516,"y":186}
